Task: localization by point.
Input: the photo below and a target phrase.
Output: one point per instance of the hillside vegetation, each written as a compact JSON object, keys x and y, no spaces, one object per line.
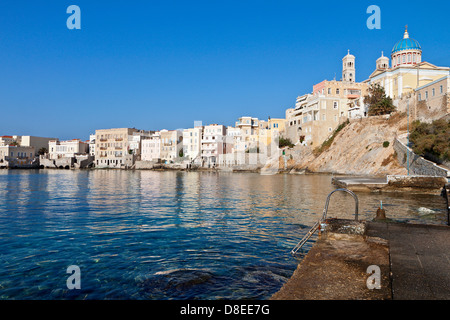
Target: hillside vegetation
{"x":432,"y":140}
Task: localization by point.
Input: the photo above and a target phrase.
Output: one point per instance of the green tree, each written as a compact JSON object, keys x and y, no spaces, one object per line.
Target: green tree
{"x":377,"y":101}
{"x":285,"y":142}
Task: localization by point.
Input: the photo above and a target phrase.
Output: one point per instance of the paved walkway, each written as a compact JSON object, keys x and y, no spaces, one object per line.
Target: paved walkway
{"x":419,"y":259}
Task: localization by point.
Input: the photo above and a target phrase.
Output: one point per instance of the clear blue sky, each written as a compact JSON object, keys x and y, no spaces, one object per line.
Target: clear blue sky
{"x":164,"y":64}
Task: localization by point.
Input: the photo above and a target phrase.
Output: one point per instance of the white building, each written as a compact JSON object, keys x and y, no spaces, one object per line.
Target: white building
{"x":151,"y":148}
{"x":67,"y":149}
{"x":192,"y":142}
{"x":135,"y":140}
{"x":6,"y":140}
{"x":213,"y":144}
{"x":92,"y":145}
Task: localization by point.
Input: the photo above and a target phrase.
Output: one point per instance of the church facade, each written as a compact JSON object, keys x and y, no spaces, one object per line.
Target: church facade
{"x":405,"y":73}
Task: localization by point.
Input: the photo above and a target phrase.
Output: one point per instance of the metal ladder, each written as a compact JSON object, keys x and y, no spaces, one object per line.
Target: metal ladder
{"x":316,"y":226}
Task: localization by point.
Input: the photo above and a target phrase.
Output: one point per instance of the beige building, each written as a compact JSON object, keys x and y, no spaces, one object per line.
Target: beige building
{"x":112,"y":148}
{"x":171,"y":144}
{"x":36,"y":142}
{"x":16,"y":155}
{"x":429,"y":102}
{"x":316,"y":115}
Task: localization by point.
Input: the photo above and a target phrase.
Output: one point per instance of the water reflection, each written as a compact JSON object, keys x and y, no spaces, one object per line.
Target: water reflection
{"x":168,"y":235}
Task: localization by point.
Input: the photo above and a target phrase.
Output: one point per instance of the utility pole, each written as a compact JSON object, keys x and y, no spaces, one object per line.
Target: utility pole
{"x":407,"y":137}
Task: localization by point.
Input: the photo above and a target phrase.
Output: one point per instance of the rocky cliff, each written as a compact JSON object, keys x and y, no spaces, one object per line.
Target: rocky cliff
{"x":363,"y":147}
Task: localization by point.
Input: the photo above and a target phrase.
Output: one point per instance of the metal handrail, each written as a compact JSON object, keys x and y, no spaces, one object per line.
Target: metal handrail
{"x":324,"y":216}
{"x":325,"y":210}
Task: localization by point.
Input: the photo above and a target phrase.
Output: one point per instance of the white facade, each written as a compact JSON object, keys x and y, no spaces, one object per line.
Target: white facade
{"x":67,"y":149}
{"x":6,"y":140}
{"x":135,"y":140}
{"x":192,"y":142}
{"x":151,"y":148}
{"x":92,"y":145}
{"x":213,"y":143}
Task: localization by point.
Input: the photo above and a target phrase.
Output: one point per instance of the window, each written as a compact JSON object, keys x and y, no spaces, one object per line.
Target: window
{"x":433,"y":92}
{"x":337,"y":91}
{"x":442,"y":89}
{"x":329,"y":90}
{"x":404,"y":59}
{"x":409,"y":57}
{"x":426,"y":95}
{"x":420,"y":97}
{"x":335,"y":104}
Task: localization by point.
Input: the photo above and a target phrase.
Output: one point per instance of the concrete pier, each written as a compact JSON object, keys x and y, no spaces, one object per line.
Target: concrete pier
{"x":414,"y":263}
{"x":422,"y":184}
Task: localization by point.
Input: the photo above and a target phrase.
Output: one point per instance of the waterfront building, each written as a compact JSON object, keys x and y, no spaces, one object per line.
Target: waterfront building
{"x":67,"y":149}
{"x":213,"y":144}
{"x":171,"y":144}
{"x":192,"y":143}
{"x":6,"y":140}
{"x":92,"y":145}
{"x":135,"y":141}
{"x":112,"y":148}
{"x":13,"y":155}
{"x":151,"y":148}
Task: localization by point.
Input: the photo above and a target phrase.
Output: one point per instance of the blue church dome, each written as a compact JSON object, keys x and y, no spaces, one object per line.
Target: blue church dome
{"x":406,"y":44}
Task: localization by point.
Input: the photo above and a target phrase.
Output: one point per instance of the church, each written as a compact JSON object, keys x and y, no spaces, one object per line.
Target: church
{"x":405,"y":75}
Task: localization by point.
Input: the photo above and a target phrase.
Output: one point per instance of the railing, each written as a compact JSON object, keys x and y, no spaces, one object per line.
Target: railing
{"x":325,"y":210}
{"x":445,"y":194}
{"x":317,"y":225}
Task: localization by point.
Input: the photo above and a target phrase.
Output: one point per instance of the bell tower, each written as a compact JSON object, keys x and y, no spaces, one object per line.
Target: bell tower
{"x":348,"y":68}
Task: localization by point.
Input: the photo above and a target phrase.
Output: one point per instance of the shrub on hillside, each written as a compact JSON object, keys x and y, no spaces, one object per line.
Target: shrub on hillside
{"x":431,"y":140}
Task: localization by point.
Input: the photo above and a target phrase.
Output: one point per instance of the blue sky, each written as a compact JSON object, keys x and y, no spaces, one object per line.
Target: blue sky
{"x":164,"y":64}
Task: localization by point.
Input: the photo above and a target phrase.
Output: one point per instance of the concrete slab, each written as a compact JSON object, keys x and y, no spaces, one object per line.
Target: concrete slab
{"x":414,"y":262}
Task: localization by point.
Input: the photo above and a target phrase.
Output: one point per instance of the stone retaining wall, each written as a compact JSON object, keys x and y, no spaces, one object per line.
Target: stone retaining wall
{"x":417,"y":164}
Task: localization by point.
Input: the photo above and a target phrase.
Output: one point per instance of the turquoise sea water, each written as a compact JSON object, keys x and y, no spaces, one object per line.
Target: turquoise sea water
{"x":167,"y":235}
